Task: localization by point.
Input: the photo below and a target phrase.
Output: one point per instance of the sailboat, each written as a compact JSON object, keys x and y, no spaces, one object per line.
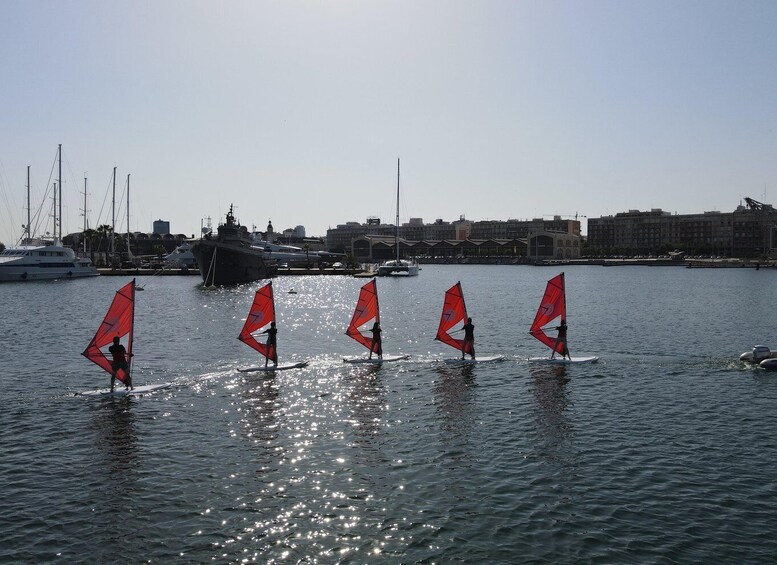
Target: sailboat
{"x":454,"y":312}
{"x":398,"y":266}
{"x":261,"y":315}
{"x":366,"y":311}
{"x":119,"y":321}
{"x":552,"y":306}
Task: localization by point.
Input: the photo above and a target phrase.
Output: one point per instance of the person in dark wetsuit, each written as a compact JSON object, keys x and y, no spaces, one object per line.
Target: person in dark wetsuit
{"x":119,"y":362}
{"x":377,"y":344}
{"x":469,"y":339}
{"x":272,"y":349}
{"x":561,"y":341}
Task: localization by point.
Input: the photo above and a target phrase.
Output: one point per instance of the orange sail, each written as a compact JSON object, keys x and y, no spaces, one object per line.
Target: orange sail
{"x":366,"y":310}
{"x":453,"y":311}
{"x":261,"y":315}
{"x":553,"y":305}
{"x":118,"y":322}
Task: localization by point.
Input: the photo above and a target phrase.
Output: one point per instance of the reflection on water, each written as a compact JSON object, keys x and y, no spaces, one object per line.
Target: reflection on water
{"x":260,"y":404}
{"x":552,"y":423}
{"x":455,"y":392}
{"x":117,"y":441}
{"x":366,"y":397}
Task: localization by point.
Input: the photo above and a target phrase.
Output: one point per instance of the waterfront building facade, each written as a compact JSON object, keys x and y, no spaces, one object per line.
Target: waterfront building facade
{"x":420,"y":239}
{"x":748,"y":231}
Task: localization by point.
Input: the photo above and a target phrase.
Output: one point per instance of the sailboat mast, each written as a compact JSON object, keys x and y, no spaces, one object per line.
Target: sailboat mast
{"x":55,"y":213}
{"x":29,"y":235}
{"x":113,"y":216}
{"x":85,"y":224}
{"x":60,"y":198}
{"x":128,"y":230}
{"x":396,"y":235}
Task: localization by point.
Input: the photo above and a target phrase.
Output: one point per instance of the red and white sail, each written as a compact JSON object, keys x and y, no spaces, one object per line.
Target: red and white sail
{"x":261,"y":315}
{"x":552,"y":306}
{"x":118,"y":322}
{"x":366,"y":311}
{"x":454,"y":311}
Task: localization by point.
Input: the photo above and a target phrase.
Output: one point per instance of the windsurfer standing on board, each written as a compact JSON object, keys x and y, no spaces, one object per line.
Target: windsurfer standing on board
{"x":561,"y":341}
{"x":119,"y":363}
{"x":468,"y":345}
{"x":377,"y":344}
{"x":272,"y":350}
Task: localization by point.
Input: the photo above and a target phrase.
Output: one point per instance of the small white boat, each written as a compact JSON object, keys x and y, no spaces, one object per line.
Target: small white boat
{"x":758,"y":354}
{"x":397,"y":267}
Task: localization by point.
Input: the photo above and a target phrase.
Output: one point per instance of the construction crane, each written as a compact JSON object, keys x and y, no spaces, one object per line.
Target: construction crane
{"x":754,"y":204}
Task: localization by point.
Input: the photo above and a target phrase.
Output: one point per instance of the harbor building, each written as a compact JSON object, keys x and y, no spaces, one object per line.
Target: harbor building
{"x":748,"y":231}
{"x":461,"y":239}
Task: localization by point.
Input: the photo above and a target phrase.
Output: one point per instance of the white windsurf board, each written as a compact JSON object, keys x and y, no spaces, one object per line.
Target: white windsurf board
{"x":121,"y":391}
{"x":476,"y":361}
{"x":561,"y":361}
{"x":271,"y":368}
{"x":375,"y":360}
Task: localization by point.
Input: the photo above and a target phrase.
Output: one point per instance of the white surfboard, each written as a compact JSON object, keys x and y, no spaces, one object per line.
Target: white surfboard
{"x":121,"y":391}
{"x":476,"y":361}
{"x":270,"y":368}
{"x":561,"y":361}
{"x":375,"y":360}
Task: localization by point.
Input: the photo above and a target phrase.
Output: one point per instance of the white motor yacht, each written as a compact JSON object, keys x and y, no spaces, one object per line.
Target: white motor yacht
{"x":37,"y":260}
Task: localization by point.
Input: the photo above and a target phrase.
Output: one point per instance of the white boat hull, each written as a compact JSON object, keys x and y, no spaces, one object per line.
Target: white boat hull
{"x":375,"y":360}
{"x":561,"y":361}
{"x":43,"y":262}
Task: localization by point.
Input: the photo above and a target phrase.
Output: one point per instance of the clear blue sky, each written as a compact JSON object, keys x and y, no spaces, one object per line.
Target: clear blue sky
{"x":297,"y":111}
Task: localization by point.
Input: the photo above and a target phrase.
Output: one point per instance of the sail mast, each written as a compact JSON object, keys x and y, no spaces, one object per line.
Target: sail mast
{"x":128,"y":231}
{"x":113,"y":217}
{"x":131,"y":331}
{"x":396,"y":234}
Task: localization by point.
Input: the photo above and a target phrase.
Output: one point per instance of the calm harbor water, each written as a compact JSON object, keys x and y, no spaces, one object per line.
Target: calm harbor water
{"x":662,"y":452}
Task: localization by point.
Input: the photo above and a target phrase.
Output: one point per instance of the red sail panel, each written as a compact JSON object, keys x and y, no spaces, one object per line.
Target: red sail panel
{"x":366,"y":309}
{"x":118,"y":321}
{"x":553,"y":305}
{"x":261,"y":315}
{"x":454,"y":311}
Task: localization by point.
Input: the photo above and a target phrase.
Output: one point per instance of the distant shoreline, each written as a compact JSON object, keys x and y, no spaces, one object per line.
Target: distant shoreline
{"x":644,"y":262}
